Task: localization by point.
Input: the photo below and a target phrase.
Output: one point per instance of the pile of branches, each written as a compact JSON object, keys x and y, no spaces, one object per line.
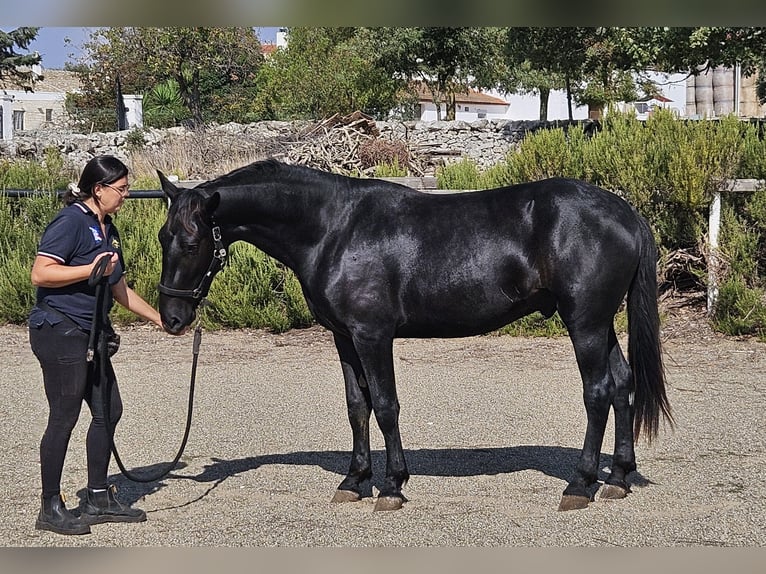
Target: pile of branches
{"x":682,"y":277}
{"x":349,"y":145}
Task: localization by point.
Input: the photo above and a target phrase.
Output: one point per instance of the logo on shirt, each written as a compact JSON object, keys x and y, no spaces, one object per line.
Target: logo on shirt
{"x":115,"y":243}
{"x":96,"y":233}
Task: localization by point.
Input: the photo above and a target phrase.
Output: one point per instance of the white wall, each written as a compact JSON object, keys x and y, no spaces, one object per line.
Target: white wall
{"x":521,"y":107}
{"x":527,"y":107}
{"x":492,"y":111}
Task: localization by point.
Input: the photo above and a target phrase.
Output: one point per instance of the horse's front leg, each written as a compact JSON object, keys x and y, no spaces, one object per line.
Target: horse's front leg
{"x":376,"y":356}
{"x":359,"y":408}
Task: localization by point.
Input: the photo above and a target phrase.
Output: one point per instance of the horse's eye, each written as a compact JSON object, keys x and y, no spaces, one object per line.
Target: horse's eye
{"x":192,"y":248}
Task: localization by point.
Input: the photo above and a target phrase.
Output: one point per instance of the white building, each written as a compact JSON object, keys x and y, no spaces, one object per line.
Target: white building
{"x":45,"y":106}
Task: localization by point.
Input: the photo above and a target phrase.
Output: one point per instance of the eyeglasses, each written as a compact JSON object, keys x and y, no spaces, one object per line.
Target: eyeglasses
{"x":122,"y":190}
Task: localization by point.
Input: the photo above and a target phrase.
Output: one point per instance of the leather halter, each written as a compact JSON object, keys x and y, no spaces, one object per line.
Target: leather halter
{"x":216,"y":264}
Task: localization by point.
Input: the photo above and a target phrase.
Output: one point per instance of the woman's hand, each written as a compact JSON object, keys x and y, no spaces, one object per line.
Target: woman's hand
{"x":113,"y":258}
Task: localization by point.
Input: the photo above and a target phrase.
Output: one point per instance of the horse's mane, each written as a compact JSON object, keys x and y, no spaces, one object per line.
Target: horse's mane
{"x":263,"y":170}
{"x":189,"y":204}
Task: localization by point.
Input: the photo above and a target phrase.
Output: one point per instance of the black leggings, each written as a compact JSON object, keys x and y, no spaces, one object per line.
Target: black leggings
{"x":69,"y":379}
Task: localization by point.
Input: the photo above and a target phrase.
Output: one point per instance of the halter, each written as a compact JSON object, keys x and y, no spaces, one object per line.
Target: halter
{"x":219,"y":260}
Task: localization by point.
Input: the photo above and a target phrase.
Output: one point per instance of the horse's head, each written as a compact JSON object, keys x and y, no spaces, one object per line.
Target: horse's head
{"x":192,"y":253}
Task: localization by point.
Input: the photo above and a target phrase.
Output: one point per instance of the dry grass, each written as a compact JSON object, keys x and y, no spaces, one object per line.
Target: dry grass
{"x":202,"y":154}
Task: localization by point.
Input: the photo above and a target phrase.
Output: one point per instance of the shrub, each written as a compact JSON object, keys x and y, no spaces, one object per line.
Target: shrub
{"x":22,"y":221}
{"x":740,"y":309}
{"x":378,"y":151}
{"x":463,"y":174}
{"x":390,"y":169}
{"x":666,"y":167}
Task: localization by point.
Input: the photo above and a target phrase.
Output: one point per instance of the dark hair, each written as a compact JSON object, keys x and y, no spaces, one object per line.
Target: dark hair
{"x":101,"y":169}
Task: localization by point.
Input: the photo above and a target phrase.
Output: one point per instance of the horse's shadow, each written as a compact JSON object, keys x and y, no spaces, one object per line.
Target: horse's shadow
{"x":555,"y":461}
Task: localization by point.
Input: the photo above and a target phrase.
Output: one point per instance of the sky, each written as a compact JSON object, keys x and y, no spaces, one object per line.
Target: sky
{"x":50,"y":44}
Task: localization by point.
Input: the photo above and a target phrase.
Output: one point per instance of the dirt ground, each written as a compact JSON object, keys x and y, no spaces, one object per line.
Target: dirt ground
{"x":491,"y":426}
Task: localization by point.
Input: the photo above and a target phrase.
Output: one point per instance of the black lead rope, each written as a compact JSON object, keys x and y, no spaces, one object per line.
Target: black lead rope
{"x":100,"y":314}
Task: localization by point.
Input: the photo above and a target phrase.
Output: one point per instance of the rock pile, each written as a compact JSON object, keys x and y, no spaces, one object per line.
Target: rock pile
{"x":430,"y":144}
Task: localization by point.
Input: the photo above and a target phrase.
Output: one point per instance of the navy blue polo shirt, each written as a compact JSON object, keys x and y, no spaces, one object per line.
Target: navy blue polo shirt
{"x":74,"y":237}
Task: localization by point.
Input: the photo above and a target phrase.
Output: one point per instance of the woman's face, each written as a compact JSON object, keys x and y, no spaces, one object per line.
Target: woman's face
{"x":111,"y":196}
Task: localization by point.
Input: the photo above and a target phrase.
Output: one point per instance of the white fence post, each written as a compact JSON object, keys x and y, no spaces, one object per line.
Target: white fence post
{"x":714,"y":225}
{"x":6,"y":121}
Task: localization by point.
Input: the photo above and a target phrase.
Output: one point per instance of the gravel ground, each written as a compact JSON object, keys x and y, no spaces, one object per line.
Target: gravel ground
{"x":491,"y":426}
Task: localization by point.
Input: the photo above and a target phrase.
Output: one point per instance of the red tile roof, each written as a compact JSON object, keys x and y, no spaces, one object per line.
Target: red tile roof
{"x":472,"y":97}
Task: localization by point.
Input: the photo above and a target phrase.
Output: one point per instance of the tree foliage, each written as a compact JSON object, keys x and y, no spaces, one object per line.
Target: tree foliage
{"x":601,"y":65}
{"x":324,"y":71}
{"x":14,"y":65}
{"x":212,"y":67}
{"x":221,"y":75}
{"x":446,"y":60}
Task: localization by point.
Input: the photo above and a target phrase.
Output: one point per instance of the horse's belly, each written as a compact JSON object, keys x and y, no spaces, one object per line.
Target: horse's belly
{"x":468,"y":319}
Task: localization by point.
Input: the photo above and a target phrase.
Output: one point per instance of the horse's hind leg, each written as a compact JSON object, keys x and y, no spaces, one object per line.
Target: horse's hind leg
{"x":624,"y":458}
{"x":592,"y":353}
{"x":359,"y":408}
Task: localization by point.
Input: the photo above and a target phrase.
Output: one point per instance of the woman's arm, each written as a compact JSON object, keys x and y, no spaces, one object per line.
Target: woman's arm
{"x":133,"y":302}
{"x":47,"y":272}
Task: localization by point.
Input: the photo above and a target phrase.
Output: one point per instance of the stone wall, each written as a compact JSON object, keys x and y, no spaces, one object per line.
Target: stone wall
{"x":485,"y":141}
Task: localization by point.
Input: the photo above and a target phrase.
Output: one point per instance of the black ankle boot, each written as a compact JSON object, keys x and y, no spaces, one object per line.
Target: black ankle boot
{"x":55,"y":517}
{"x":103,"y":507}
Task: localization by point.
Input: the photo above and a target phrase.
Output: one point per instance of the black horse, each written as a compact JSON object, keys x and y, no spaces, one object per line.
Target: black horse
{"x":377,"y":261}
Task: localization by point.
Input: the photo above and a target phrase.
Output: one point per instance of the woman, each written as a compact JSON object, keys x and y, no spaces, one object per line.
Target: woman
{"x":78,"y":237}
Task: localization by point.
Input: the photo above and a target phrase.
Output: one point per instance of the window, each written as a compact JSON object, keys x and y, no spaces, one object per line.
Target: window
{"x":481,"y":113}
{"x":48,"y":115}
{"x":18,"y":120}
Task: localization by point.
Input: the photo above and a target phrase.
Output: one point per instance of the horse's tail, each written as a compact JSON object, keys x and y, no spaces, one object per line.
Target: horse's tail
{"x":644,"y":347}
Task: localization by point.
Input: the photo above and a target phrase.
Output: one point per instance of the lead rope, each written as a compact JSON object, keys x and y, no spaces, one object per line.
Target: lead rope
{"x":107,"y":394}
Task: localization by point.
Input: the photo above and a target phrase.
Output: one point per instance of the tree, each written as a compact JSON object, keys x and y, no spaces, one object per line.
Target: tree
{"x":446,"y":60}
{"x":558,"y":54}
{"x":204,"y":63}
{"x":16,"y":66}
{"x":597,"y":65}
{"x":324,"y":71}
{"x":530,"y":68}
{"x":700,"y":49}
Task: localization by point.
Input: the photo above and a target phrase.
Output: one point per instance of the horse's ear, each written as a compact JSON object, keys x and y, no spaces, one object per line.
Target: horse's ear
{"x":211,"y":203}
{"x":168,"y":188}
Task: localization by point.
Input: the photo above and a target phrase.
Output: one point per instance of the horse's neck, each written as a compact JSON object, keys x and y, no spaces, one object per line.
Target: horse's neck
{"x":285,"y":221}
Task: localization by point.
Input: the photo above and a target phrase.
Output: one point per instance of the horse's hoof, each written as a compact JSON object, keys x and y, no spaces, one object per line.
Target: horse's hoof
{"x":612,"y":492}
{"x":570,"y":502}
{"x":389,"y":503}
{"x":346,"y":496}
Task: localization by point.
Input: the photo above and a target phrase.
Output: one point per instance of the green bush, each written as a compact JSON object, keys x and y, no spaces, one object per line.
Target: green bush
{"x":391,"y":169}
{"x":740,"y":309}
{"x":22,"y":221}
{"x":741,"y":305}
{"x":139,"y":221}
{"x":667,"y":168}
{"x":49,"y":175}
